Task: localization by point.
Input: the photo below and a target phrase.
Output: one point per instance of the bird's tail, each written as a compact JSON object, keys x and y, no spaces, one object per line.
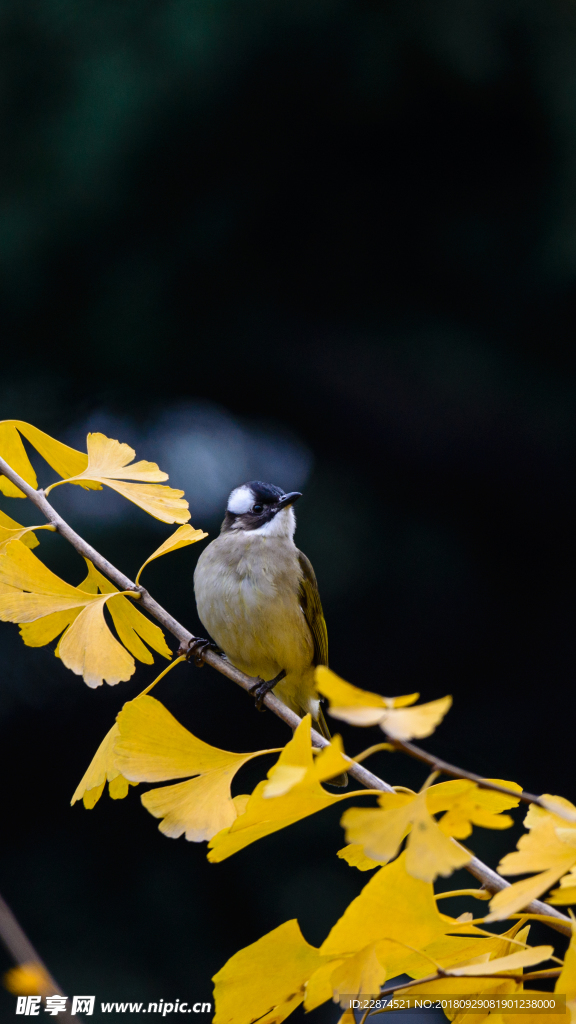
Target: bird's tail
{"x":322,"y":727}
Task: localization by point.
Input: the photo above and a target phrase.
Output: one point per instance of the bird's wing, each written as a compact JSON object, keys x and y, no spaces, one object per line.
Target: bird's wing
{"x":312,"y":608}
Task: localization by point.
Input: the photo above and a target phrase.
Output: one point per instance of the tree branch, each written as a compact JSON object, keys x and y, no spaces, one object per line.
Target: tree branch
{"x":442,"y":975}
{"x":490,"y":879}
{"x":18,"y":945}
{"x":460,"y":773}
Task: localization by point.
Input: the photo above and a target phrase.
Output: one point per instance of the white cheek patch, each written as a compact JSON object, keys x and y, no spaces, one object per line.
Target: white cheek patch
{"x":241,"y":500}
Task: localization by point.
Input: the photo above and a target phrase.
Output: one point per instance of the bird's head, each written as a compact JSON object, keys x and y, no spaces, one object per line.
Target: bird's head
{"x":261,"y":509}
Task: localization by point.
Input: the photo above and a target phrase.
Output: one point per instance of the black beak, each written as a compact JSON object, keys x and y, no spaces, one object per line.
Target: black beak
{"x":287,"y":499}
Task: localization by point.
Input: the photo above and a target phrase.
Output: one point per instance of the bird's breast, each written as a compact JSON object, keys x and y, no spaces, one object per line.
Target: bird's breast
{"x":247,"y":594}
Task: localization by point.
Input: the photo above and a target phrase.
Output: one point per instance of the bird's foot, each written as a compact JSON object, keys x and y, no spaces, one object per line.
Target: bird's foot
{"x":194,"y":649}
{"x":263,"y":686}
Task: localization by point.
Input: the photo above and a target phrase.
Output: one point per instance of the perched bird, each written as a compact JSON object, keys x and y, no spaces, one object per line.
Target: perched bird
{"x":258,"y":598}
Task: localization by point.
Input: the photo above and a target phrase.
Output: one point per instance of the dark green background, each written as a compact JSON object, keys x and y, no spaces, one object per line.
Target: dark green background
{"x":354,"y":222}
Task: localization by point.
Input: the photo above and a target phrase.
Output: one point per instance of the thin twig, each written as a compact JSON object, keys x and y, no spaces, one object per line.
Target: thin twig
{"x":460,"y":773}
{"x":444,"y":975}
{"x":18,"y":945}
{"x":490,"y":879}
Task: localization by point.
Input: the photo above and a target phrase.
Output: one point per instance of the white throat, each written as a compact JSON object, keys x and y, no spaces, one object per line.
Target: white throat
{"x":282,"y":525}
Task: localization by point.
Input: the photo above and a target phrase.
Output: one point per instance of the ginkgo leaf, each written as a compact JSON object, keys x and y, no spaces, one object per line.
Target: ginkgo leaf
{"x":89,"y":649}
{"x":354,"y":855}
{"x":392,"y":714}
{"x":467,"y":804}
{"x":11,"y":530}
{"x":566,"y":894}
{"x":153,"y":747}
{"x":463,"y":987}
{"x":417,"y":722}
{"x":129,"y":621}
{"x":108,"y":463}
{"x":429,"y":852}
{"x":566,"y":984}
{"x":100,"y":771}
{"x":350,"y":703}
{"x":181,"y":538}
{"x":562,"y":897}
{"x":29,"y":978}
{"x":393,"y":905}
{"x":319,"y":984}
{"x":513,"y":962}
{"x":64,"y":460}
{"x":265,"y":981}
{"x":515,"y":897}
{"x":330,"y":762}
{"x":548,"y":848}
{"x":285,"y":777}
{"x":42,"y":631}
{"x":35,"y":593}
{"x":361,"y":974}
{"x":559,"y":806}
{"x":265,"y":814}
{"x":453,"y":950}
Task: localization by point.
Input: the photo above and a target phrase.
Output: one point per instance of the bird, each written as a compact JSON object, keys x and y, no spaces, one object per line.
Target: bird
{"x":258,"y":598}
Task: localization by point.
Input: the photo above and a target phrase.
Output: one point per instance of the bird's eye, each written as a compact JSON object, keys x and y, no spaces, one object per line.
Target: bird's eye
{"x":258,"y":509}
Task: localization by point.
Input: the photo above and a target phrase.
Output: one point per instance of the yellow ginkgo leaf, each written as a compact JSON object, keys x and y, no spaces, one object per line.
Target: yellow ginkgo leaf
{"x":319,"y":985}
{"x":66,"y":461}
{"x":108,"y":463}
{"x":353,"y":705}
{"x":548,"y":848}
{"x":24,"y":572}
{"x":152,"y":747}
{"x":282,"y":780}
{"x":29,"y":979}
{"x":392,"y":714}
{"x":416,"y":722}
{"x":354,"y":855}
{"x":42,"y":631}
{"x":11,"y":530}
{"x":130,"y":623}
{"x":466,"y":987}
{"x":380,"y":832}
{"x":429,"y":852}
{"x":513,"y":962}
{"x":393,"y":905}
{"x":467,"y":804}
{"x":563,"y":897}
{"x":361,"y":974}
{"x":44,"y":605}
{"x":89,"y":649}
{"x":566,"y":894}
{"x":265,"y":981}
{"x":559,"y":806}
{"x":100,"y":771}
{"x":330,"y":762}
{"x":266,"y":813}
{"x":453,"y":950}
{"x":566,"y":984}
{"x":517,"y":896}
{"x":181,"y":538}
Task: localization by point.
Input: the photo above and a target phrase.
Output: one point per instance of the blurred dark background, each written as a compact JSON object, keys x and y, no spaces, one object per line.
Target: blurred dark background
{"x":333,"y":245}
